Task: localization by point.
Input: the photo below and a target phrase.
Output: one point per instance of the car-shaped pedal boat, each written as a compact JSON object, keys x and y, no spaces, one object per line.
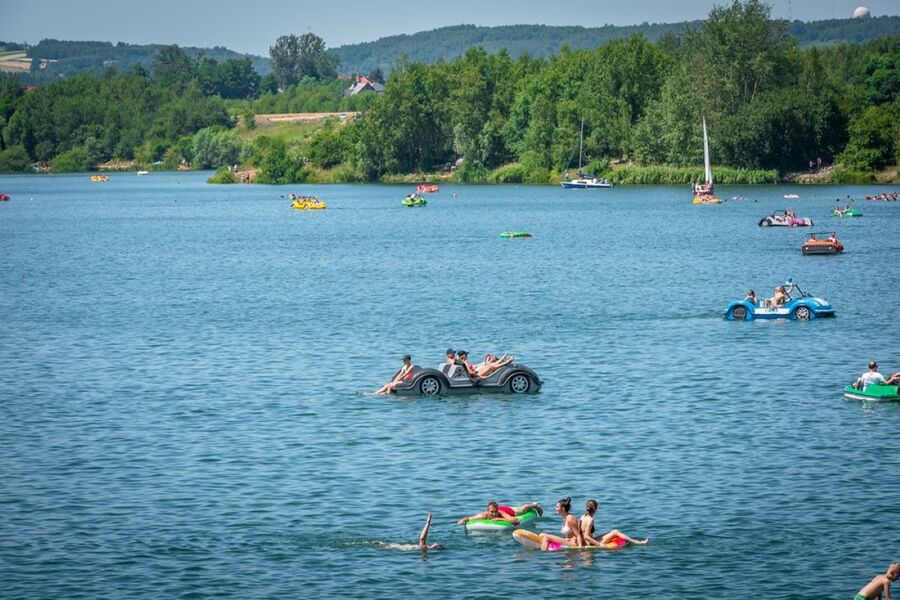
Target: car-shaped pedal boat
{"x":824,"y":245}
{"x":873,"y":393}
{"x":452,"y":379}
{"x":802,"y":308}
{"x":780,"y":218}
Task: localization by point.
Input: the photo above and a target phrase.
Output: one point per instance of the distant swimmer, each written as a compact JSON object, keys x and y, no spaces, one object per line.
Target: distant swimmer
{"x":496,"y":510}
{"x":880,"y":584}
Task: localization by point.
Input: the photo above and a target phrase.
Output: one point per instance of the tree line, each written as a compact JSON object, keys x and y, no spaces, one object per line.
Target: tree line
{"x":770,"y":105}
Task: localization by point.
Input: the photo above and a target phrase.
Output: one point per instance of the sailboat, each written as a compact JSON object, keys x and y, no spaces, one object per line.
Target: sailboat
{"x":704,"y":193}
{"x":584,"y":181}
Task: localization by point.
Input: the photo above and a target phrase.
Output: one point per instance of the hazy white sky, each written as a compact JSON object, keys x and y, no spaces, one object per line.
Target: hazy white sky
{"x":253,"y":26}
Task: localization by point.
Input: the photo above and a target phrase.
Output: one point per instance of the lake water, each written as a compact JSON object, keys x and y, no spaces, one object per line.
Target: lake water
{"x":186,"y":370}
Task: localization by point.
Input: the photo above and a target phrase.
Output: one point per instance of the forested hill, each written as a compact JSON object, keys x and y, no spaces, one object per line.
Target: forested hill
{"x":543,"y":40}
{"x":54,"y":58}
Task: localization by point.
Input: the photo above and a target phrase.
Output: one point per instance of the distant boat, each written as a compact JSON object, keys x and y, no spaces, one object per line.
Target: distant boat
{"x":584,"y":181}
{"x":705,"y":193}
{"x":143,"y":172}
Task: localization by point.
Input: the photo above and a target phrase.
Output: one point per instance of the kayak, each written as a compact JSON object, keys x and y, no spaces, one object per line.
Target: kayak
{"x":873,"y":393}
{"x":308,"y":205}
{"x":515,"y":234}
{"x":531,"y":540}
{"x":500,"y":524}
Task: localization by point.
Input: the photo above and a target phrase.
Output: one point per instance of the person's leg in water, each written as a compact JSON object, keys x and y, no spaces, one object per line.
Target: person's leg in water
{"x":423,"y":537}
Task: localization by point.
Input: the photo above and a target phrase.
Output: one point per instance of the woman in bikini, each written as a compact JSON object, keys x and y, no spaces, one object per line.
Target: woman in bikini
{"x":587,"y":528}
{"x":571,"y":531}
{"x":404,"y":374}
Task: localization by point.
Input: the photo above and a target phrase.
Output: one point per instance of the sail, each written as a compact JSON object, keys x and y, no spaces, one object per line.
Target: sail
{"x":706,"y":165}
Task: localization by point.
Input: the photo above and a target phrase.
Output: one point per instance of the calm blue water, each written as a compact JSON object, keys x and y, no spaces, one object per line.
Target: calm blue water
{"x":185,"y":368}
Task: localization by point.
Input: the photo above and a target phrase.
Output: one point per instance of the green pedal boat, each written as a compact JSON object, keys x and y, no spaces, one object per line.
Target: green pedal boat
{"x":873,"y":393}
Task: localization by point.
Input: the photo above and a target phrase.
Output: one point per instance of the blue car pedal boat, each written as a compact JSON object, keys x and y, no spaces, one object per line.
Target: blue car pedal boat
{"x":802,"y":308}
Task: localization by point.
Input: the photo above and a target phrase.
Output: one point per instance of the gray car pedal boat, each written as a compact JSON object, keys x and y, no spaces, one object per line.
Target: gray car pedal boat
{"x":452,"y":379}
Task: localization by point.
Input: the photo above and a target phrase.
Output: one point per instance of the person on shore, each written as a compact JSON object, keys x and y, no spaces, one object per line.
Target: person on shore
{"x":873,"y":377}
{"x":501,"y":511}
{"x":880,"y":584}
{"x":405,"y":374}
{"x":586,"y":522}
{"x":571,"y":530}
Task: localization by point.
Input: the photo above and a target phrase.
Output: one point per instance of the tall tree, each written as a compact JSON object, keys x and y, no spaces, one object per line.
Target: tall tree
{"x":173,"y":67}
{"x":285,"y":56}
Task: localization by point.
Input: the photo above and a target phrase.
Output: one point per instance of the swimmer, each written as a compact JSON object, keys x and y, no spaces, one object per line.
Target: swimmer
{"x":587,"y":528}
{"x":506,"y":513}
{"x":880,"y":584}
{"x":423,"y":537}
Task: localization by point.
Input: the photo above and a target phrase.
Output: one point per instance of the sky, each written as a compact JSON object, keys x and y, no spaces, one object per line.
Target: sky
{"x":253,"y":26}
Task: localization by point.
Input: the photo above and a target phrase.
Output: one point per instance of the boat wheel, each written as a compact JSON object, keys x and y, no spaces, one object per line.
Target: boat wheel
{"x":739,"y":313}
{"x":519,"y":384}
{"x":802,"y":313}
{"x":430,"y":386}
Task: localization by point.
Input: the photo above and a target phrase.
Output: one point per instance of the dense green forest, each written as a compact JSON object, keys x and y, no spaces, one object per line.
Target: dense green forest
{"x":771,"y":106}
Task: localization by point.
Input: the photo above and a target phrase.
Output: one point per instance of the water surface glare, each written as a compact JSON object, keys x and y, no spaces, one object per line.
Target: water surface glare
{"x":185,"y":368}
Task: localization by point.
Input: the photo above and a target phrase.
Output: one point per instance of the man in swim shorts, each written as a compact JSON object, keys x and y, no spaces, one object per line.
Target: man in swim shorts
{"x":880,"y":584}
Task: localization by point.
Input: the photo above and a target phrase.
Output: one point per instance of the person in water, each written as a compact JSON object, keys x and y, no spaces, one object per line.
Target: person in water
{"x":586,"y":522}
{"x":506,"y":513}
{"x":423,"y":537}
{"x":880,"y":584}
{"x":571,"y":530}
{"x":405,"y":374}
{"x":483,"y":370}
{"x":873,"y":377}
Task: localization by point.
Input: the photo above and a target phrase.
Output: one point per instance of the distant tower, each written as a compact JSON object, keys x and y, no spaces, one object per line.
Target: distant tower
{"x":861,"y":12}
{"x":789,"y":10}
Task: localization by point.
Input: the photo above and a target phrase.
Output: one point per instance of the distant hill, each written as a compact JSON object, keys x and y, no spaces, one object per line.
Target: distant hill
{"x":51,"y":59}
{"x":543,"y":40}
{"x":57,"y":58}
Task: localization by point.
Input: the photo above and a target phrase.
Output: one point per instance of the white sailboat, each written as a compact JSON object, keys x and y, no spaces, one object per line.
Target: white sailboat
{"x":705,"y":193}
{"x":584,"y":181}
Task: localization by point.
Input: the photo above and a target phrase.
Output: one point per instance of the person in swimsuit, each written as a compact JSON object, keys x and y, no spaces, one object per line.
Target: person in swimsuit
{"x":404,"y":375}
{"x":880,"y":584}
{"x":586,"y":522}
{"x":506,"y":513}
{"x":571,"y":531}
{"x":484,"y":370}
{"x":423,"y":537}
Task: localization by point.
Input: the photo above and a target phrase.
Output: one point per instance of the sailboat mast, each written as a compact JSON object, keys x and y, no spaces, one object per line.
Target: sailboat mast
{"x":581,"y":145}
{"x":706,"y":165}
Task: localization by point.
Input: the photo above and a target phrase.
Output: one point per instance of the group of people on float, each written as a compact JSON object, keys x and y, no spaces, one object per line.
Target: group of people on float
{"x":293,"y":196}
{"x":575,"y":533}
{"x":476,"y":373}
{"x":885,"y":197}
